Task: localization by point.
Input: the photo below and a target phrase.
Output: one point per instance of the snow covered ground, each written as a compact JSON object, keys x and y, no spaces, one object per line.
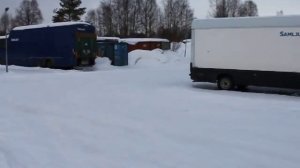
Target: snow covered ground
{"x":146,"y":115}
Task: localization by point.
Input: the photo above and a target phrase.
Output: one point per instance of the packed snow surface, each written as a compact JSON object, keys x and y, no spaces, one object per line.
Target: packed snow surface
{"x":145,"y":115}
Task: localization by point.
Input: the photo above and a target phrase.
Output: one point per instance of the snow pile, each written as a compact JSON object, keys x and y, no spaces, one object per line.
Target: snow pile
{"x":103,"y":63}
{"x":145,"y":58}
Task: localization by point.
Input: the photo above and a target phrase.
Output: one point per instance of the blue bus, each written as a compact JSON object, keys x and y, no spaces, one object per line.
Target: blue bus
{"x":58,"y":45}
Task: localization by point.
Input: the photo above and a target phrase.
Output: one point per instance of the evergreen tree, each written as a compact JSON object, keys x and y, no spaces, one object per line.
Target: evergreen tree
{"x":69,"y":11}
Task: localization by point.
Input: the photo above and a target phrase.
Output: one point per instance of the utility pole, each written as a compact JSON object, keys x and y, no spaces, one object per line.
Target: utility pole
{"x":6,"y":34}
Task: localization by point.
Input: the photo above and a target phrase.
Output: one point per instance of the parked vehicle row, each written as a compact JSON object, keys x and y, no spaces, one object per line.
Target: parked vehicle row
{"x":68,"y":45}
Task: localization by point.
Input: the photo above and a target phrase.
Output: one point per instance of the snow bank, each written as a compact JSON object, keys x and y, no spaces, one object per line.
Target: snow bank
{"x":103,"y":63}
{"x":157,"y":57}
{"x":147,"y":58}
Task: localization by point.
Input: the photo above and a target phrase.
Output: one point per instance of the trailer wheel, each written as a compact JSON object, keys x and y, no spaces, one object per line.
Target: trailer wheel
{"x":46,"y":63}
{"x":225,"y":83}
{"x":92,"y":61}
{"x":242,"y":88}
{"x":78,"y":62}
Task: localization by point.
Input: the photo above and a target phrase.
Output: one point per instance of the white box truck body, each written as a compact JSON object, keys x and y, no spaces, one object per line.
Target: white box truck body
{"x":262,"y":51}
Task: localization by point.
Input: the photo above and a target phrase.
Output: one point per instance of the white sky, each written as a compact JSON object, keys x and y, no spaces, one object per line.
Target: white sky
{"x":201,"y":7}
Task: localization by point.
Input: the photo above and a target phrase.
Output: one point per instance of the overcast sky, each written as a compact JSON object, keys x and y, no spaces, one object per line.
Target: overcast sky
{"x":201,"y":7}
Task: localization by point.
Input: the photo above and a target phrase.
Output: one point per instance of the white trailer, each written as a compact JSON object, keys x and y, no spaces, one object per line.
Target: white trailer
{"x":237,"y":52}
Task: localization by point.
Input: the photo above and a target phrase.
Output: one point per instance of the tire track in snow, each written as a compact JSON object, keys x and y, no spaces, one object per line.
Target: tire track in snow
{"x":7,"y":160}
{"x":4,"y":162}
{"x":36,"y":117}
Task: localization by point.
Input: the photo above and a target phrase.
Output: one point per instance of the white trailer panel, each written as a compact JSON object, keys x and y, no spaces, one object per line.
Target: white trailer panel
{"x":252,"y":47}
{"x":247,"y":49}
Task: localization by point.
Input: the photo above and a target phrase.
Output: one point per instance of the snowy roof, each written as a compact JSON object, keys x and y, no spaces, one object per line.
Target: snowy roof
{"x":133,"y":41}
{"x":187,"y":41}
{"x":49,"y":25}
{"x":247,"y":22}
{"x":108,"y":38}
{"x":2,"y":37}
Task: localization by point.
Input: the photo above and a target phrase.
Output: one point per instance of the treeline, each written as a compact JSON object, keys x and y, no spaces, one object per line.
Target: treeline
{"x":143,"y":18}
{"x":123,"y":18}
{"x":130,"y":18}
{"x":28,"y":13}
{"x":233,"y":8}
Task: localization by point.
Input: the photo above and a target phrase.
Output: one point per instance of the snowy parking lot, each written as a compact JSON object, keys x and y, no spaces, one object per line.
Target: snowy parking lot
{"x":145,"y":115}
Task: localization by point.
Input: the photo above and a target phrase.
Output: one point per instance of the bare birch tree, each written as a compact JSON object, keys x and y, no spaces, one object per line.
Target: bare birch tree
{"x":248,"y":8}
{"x":94,"y":17}
{"x":5,"y":23}
{"x":28,"y":13}
{"x":178,"y":17}
{"x":149,"y":17}
{"x":232,"y":8}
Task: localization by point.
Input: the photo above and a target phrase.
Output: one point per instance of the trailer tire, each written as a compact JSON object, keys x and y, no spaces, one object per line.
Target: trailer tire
{"x":47,"y":63}
{"x":242,"y":88}
{"x":92,"y":61}
{"x":78,"y":62}
{"x":225,"y":83}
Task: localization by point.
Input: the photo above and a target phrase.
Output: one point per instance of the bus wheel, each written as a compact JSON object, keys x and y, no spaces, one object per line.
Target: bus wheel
{"x":225,"y":83}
